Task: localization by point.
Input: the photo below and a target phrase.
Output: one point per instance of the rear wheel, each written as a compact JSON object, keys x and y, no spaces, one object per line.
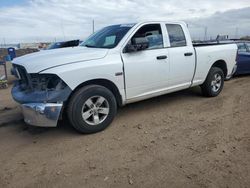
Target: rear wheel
{"x":92,"y":109}
{"x":214,"y":82}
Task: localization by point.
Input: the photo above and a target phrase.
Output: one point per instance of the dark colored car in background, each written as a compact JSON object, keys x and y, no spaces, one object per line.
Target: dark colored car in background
{"x":64,"y":44}
{"x":243,"y":59}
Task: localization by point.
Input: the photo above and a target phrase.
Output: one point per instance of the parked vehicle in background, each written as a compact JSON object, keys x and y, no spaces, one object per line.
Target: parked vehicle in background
{"x":64,"y":44}
{"x":118,"y":65}
{"x":243,"y":59}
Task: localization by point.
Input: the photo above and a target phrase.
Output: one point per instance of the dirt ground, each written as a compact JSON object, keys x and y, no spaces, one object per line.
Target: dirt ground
{"x":177,"y":140}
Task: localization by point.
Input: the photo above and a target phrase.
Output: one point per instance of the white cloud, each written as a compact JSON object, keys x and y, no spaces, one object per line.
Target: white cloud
{"x":234,"y":23}
{"x":40,"y":20}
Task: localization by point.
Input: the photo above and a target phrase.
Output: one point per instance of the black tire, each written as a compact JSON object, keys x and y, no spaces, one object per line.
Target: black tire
{"x":76,"y":105}
{"x":206,"y":87}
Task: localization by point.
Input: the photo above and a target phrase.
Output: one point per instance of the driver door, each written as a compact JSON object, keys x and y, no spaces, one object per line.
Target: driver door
{"x":146,"y":71}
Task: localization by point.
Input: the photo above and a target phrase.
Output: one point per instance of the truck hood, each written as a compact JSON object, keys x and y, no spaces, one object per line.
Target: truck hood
{"x":39,"y":61}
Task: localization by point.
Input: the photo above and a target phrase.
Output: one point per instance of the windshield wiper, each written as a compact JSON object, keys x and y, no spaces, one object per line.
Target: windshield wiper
{"x":90,"y":46}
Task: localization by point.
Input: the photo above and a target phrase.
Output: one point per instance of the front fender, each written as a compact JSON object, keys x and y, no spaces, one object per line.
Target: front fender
{"x":76,"y":74}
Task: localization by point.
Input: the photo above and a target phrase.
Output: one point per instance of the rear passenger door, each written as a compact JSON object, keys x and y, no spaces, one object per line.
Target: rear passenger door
{"x":181,"y":57}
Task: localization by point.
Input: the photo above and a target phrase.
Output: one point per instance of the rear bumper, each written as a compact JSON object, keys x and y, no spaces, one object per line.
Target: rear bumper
{"x":42,"y":114}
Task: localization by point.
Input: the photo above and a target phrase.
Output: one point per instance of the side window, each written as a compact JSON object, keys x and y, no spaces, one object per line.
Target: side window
{"x":152,"y":33}
{"x":176,"y":35}
{"x":248,"y":46}
{"x":242,"y":47}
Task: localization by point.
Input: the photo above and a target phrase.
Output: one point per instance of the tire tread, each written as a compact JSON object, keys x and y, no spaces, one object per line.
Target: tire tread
{"x":206,"y":86}
{"x":74,"y":100}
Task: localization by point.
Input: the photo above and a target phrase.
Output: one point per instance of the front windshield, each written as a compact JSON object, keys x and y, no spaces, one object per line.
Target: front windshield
{"x":107,"y":37}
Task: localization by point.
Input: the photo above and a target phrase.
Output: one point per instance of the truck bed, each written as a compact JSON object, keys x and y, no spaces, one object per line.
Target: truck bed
{"x":211,"y":53}
{"x":211,"y":44}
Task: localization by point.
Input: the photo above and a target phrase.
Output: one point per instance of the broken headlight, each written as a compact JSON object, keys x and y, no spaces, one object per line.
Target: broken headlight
{"x":46,"y":82}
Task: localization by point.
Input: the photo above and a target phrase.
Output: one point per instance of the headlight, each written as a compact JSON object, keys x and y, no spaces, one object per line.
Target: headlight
{"x":46,"y":82}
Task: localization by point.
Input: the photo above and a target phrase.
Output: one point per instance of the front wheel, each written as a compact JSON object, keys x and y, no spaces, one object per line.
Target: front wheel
{"x":92,"y":108}
{"x":214,"y":82}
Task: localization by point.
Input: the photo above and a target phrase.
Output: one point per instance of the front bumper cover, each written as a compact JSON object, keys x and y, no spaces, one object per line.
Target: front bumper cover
{"x":42,"y":114}
{"x":33,"y":96}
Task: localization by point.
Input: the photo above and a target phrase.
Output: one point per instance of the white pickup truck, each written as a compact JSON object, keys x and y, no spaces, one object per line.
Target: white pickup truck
{"x":117,"y":65}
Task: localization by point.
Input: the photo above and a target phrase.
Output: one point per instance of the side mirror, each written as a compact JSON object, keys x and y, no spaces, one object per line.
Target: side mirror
{"x":138,"y":44}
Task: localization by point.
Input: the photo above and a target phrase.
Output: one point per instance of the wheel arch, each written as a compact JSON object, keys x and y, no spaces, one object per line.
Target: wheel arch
{"x":222,"y":65}
{"x":105,"y":83}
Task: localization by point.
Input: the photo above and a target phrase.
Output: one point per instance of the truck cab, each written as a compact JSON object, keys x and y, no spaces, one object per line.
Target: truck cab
{"x":167,"y":64}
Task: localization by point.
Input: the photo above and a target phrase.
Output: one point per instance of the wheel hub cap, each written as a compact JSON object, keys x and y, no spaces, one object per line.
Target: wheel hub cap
{"x":95,"y":110}
{"x":216,"y":83}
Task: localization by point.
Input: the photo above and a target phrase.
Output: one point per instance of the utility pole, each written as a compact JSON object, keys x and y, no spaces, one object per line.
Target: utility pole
{"x":4,"y":42}
{"x":62,"y":27}
{"x":93,"y":26}
{"x":236,"y":32}
{"x":205,"y":35}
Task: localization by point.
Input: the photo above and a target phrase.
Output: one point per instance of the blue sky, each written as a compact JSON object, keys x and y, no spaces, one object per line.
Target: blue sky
{"x":49,"y":20}
{"x":8,"y":3}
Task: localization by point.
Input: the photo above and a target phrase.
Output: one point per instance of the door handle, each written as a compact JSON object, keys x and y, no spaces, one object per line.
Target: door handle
{"x":188,"y":54}
{"x":161,"y":57}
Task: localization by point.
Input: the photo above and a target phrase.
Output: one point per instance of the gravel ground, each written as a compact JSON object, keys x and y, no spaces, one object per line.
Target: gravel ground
{"x":177,"y":140}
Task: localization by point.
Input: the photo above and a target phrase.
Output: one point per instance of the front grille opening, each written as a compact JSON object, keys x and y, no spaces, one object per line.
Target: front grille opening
{"x":41,"y":82}
{"x":46,"y":82}
{"x":24,"y":79}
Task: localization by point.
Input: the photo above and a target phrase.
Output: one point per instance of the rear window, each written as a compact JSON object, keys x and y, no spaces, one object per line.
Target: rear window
{"x":176,"y":35}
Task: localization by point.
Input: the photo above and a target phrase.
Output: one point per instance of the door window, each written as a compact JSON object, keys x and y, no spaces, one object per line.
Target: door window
{"x":153,"y":34}
{"x":242,"y":47}
{"x":248,"y":47}
{"x":176,"y":35}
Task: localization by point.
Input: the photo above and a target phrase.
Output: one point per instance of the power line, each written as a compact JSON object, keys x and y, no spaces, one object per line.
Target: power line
{"x":236,"y":33}
{"x":205,"y":35}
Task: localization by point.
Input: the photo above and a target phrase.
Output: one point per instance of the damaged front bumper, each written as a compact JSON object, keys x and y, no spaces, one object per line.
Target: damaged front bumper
{"x":41,"y":108}
{"x":42,"y":114}
{"x":41,"y":96}
{"x":33,"y":96}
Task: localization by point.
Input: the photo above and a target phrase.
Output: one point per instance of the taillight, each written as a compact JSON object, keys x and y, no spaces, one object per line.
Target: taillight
{"x":237,"y":56}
